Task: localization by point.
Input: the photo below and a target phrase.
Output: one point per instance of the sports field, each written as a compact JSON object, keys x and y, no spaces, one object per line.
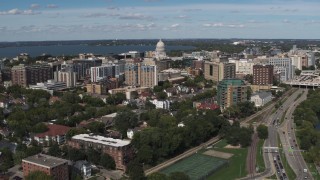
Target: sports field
{"x":197,"y":166}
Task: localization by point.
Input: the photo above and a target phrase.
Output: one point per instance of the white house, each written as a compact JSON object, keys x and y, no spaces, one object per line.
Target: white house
{"x":261,"y":98}
{"x":161,"y":104}
{"x":130,"y":132}
{"x":84,"y":167}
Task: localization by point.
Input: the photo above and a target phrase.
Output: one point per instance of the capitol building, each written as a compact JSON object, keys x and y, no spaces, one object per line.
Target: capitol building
{"x":160,"y":52}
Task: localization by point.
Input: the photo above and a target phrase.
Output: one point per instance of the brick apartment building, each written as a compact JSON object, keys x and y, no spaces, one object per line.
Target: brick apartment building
{"x":25,"y":75}
{"x":53,"y":166}
{"x":120,"y":150}
{"x":262,"y":74}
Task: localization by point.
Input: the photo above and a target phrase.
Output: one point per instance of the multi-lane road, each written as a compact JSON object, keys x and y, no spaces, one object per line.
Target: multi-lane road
{"x":289,"y":141}
{"x":285,"y":130}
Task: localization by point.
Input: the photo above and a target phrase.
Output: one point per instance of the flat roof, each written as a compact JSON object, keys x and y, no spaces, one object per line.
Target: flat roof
{"x":45,"y":160}
{"x":102,"y":140}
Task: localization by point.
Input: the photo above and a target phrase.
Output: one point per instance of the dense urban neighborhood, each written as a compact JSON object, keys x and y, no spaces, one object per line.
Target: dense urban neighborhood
{"x":194,"y":114}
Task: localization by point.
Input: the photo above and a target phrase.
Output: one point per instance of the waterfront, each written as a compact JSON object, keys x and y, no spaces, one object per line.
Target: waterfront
{"x":33,"y":51}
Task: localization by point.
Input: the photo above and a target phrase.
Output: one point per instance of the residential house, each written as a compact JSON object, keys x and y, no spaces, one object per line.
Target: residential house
{"x":261,"y":98}
{"x":56,"y":133}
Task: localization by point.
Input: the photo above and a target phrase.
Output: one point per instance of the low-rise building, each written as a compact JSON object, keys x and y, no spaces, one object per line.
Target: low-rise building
{"x":83,"y":168}
{"x":261,"y":98}
{"x":56,"y":133}
{"x":161,"y":104}
{"x":120,"y":150}
{"x":53,"y":166}
{"x":49,"y":86}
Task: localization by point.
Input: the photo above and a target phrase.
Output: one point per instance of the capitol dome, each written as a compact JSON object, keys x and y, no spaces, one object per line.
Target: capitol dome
{"x":160,"y":50}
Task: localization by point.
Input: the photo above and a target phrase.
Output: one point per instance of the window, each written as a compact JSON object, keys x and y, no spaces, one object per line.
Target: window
{"x":211,"y":70}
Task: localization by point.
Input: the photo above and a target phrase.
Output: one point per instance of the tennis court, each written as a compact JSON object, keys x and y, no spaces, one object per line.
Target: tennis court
{"x":197,"y":166}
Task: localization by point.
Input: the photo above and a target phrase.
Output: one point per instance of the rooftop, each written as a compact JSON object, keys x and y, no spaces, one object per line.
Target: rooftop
{"x":54,"y":130}
{"x":102,"y":140}
{"x":45,"y":160}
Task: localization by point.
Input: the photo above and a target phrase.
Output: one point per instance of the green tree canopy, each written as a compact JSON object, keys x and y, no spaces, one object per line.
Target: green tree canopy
{"x":262,"y":131}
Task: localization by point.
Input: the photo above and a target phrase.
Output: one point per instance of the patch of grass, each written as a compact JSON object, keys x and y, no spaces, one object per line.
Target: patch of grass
{"x":221,"y":144}
{"x":272,"y":177}
{"x":236,"y":167}
{"x":283,"y":116}
{"x":259,"y":161}
{"x":313,"y":171}
{"x":287,"y":167}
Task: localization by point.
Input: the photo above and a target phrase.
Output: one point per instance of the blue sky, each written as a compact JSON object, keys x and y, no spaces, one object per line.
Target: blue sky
{"x":22,"y":20}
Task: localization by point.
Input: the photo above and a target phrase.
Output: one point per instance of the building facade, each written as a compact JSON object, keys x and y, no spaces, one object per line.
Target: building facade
{"x":217,"y":71}
{"x":55,"y":133}
{"x":53,"y":166}
{"x":120,"y":150}
{"x":261,"y":98}
{"x":263,"y":74}
{"x":19,"y":75}
{"x":230,"y":92}
{"x":141,"y":75}
{"x":106,"y":71}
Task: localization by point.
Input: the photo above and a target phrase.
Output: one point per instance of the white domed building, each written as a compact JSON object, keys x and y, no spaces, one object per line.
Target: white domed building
{"x":160,"y":50}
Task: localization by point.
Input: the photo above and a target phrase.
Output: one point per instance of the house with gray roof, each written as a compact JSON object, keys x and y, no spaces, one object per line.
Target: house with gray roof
{"x":261,"y":98}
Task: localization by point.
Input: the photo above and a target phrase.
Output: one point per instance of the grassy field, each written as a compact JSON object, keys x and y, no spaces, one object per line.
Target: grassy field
{"x":237,"y":164}
{"x":196,"y":166}
{"x":260,"y":161}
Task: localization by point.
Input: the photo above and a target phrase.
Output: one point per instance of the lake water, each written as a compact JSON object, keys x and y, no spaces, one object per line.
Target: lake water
{"x":33,"y":51}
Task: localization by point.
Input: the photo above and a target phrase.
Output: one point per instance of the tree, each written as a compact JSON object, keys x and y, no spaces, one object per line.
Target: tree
{"x":38,"y":175}
{"x":96,"y":127}
{"x":178,"y":176}
{"x":297,"y":72}
{"x":75,"y":154}
{"x":162,"y":95}
{"x":135,"y":170}
{"x":93,"y":156}
{"x":6,"y":159}
{"x":71,"y":98}
{"x":54,"y":150}
{"x":39,"y":128}
{"x":124,"y":120}
{"x":262,"y":131}
{"x":107,"y":161}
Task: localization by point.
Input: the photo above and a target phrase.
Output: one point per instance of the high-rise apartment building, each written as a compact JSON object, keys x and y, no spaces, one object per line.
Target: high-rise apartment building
{"x":281,"y":66}
{"x":105,"y":71}
{"x":19,"y":75}
{"x":231,"y":92}
{"x":25,"y":75}
{"x":263,"y":74}
{"x":137,"y":74}
{"x":82,"y":67}
{"x":53,"y":166}
{"x":217,"y":71}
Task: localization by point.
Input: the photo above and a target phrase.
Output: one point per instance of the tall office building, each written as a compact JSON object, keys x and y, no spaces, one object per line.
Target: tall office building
{"x":231,"y":92}
{"x":217,"y":71}
{"x":262,"y":74}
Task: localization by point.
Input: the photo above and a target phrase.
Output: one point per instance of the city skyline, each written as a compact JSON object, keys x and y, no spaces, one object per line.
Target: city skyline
{"x":151,"y":19}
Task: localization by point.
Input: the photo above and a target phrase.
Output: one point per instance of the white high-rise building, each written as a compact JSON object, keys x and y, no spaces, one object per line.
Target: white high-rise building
{"x":100,"y":72}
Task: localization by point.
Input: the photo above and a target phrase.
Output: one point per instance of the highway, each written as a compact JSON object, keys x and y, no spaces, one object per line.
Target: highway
{"x":288,"y":141}
{"x":272,"y":158}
